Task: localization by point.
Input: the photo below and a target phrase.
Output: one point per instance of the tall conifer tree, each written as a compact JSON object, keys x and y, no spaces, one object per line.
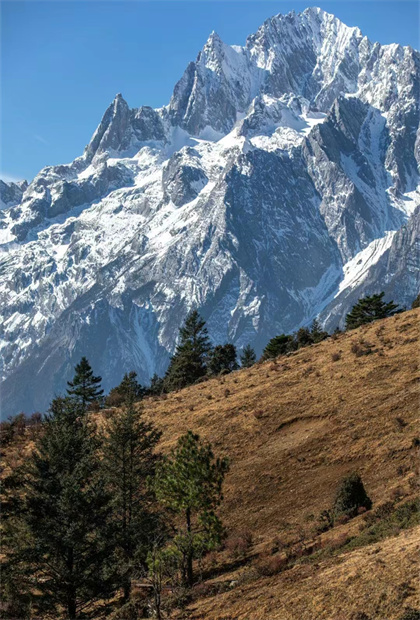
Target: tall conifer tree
{"x":248,"y":357}
{"x":62,"y":542}
{"x":85,"y":387}
{"x":189,"y":362}
{"x":129,"y":461}
{"x":189,"y":482}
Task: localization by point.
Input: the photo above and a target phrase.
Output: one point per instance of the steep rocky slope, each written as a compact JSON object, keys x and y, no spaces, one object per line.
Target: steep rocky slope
{"x":270,"y":189}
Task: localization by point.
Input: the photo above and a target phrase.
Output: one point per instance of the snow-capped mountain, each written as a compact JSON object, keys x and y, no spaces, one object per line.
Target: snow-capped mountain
{"x":11,"y":193}
{"x":278,"y":184}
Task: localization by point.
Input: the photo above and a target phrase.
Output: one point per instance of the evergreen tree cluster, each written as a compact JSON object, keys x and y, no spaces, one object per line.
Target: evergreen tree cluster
{"x":94,"y":508}
{"x":280,"y":345}
{"x":370,"y":309}
{"x":366,"y":310}
{"x":195,"y":357}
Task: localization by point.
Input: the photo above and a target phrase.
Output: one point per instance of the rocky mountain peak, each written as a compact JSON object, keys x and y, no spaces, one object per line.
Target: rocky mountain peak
{"x":111,"y":133}
{"x":11,"y":192}
{"x":277,"y":185}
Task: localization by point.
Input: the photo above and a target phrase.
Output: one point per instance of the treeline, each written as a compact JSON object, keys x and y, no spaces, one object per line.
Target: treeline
{"x":96,"y":507}
{"x":195,"y":358}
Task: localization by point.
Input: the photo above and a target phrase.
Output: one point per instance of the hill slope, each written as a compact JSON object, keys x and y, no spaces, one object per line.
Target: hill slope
{"x":292,"y":429}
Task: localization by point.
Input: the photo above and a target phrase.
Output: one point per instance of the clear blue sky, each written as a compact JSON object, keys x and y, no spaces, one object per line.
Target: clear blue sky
{"x":63,"y":62}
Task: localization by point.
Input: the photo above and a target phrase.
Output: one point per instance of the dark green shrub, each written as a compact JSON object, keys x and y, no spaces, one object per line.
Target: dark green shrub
{"x":279,"y":345}
{"x":350,"y":496}
{"x":416,"y":302}
{"x":410,"y":614}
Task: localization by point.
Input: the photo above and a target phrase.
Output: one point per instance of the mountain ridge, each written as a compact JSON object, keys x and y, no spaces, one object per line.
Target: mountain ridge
{"x":272,"y":168}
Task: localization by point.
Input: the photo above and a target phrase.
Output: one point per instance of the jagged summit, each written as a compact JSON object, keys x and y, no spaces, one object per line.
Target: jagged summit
{"x":279,"y":183}
{"x":11,"y":193}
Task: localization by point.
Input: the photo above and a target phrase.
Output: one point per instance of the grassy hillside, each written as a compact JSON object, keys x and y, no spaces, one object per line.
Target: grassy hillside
{"x":292,"y":428}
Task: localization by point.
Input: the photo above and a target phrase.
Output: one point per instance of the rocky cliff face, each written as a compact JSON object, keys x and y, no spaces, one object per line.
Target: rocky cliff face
{"x":11,"y":193}
{"x":277,"y":185}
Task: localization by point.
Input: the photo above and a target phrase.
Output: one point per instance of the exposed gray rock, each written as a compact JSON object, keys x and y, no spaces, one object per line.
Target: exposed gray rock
{"x":276,"y":186}
{"x":183,"y":178}
{"x":397,"y":273}
{"x":11,"y":193}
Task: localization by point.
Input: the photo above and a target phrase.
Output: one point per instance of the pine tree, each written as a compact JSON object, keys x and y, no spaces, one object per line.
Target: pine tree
{"x":370,"y":309}
{"x":279,"y":345}
{"x":248,"y":357}
{"x":222,"y":359}
{"x":317,"y":333}
{"x":156,"y":385}
{"x":84,"y":387}
{"x":189,"y":482}
{"x":62,"y":545}
{"x":128,"y":389}
{"x":303,"y":337}
{"x":189,"y":362}
{"x":129,"y":461}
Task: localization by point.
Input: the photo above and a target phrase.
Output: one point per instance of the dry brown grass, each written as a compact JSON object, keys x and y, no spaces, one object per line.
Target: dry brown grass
{"x":379,"y":580}
{"x":292,"y":434}
{"x":292,"y":428}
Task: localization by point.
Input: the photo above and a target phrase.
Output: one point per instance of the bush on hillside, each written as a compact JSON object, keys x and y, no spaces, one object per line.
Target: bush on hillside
{"x":410,"y":614}
{"x":416,"y":302}
{"x":238,"y":545}
{"x":350,"y":496}
{"x":269,"y":565}
{"x":325,"y":522}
